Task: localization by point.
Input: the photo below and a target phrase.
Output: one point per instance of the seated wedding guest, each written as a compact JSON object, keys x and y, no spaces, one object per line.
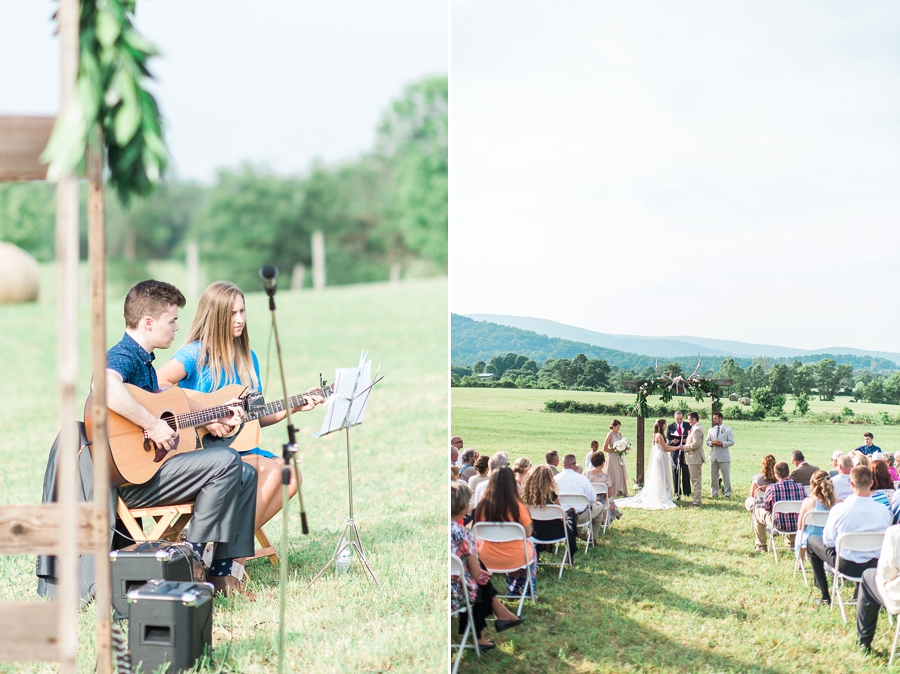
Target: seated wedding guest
{"x":859,"y":459}
{"x":467,"y":469}
{"x":482,"y":595}
{"x":595,"y":447}
{"x":785,"y":489}
{"x":764,"y":479}
{"x":882,"y":484}
{"x":454,"y":456}
{"x":552,"y":459}
{"x":570,"y":482}
{"x":501,"y":503}
{"x":821,"y":497}
{"x":802,"y":470}
{"x":454,"y":476}
{"x":835,"y":457}
{"x":597,"y":475}
{"x":880,"y":587}
{"x":521,"y":466}
{"x":481,"y":473}
{"x":859,"y":513}
{"x":456,"y":446}
{"x":539,"y":490}
{"x":841,"y":481}
{"x":499,"y":460}
{"x":889,"y":460}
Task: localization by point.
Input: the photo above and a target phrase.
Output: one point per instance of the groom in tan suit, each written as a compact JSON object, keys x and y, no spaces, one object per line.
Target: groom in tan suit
{"x":694,"y":456}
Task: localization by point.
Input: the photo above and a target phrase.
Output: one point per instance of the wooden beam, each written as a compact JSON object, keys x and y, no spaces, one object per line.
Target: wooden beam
{"x":29,"y":631}
{"x":35,"y":529}
{"x":22,"y":140}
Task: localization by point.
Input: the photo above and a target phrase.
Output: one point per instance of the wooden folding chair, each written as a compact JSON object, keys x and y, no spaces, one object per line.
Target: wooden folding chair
{"x":170,"y":520}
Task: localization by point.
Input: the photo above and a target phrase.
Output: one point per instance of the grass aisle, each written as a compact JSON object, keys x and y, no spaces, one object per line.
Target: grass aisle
{"x":673,"y":591}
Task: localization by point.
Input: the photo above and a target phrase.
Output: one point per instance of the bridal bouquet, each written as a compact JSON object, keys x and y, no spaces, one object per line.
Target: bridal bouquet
{"x":621,"y":447}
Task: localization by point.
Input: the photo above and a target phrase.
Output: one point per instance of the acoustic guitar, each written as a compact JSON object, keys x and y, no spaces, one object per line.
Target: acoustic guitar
{"x":136,"y":458}
{"x":247,"y":435}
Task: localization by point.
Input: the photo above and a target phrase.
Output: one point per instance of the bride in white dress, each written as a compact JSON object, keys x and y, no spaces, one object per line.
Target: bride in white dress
{"x":657,"y":491}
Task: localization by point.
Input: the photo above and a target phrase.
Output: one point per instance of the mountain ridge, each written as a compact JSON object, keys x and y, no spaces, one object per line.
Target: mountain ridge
{"x":675,"y":346}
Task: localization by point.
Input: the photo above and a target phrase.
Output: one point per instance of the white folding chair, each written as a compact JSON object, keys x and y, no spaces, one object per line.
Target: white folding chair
{"x":807,"y":489}
{"x":781,"y":507}
{"x":896,"y":635}
{"x":855,"y":542}
{"x":552,"y":513}
{"x":603,"y":490}
{"x":579,"y":502}
{"x":508,"y":532}
{"x":457,"y":570}
{"x":813,"y":518}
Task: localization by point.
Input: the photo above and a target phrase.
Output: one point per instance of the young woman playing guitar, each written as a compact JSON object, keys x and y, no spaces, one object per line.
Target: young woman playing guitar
{"x":218,"y":354}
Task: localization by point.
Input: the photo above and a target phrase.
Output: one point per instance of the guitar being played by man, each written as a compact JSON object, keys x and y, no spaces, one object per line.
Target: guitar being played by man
{"x":222,"y":487}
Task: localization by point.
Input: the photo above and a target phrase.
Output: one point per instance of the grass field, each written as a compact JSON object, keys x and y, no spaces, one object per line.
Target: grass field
{"x":342,"y":624}
{"x":673,"y":591}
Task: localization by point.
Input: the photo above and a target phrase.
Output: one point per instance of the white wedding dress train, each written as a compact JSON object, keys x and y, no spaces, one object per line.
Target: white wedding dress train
{"x":657,"y":491}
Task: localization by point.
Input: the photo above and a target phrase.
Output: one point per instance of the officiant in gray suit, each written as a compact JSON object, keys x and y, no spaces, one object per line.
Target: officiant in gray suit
{"x":719,"y":439}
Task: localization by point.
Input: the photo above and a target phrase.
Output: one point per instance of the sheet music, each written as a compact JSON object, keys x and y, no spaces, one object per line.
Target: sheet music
{"x":347,"y":405}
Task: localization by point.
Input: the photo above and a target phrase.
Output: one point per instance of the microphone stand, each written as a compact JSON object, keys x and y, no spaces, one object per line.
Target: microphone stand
{"x":289,"y":452}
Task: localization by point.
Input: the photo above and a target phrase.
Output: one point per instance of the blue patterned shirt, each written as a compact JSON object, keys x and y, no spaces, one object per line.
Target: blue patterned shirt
{"x":786,"y":490}
{"x":130,"y":360}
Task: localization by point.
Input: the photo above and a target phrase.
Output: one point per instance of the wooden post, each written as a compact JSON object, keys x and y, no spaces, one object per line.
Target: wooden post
{"x":395,"y":272}
{"x":297,"y":277}
{"x":639,"y":477}
{"x":318,"y":260}
{"x":97,"y":263}
{"x":67,"y":256}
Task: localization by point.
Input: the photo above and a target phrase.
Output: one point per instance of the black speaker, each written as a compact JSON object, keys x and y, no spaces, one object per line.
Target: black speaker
{"x":169,"y":622}
{"x":133,"y":566}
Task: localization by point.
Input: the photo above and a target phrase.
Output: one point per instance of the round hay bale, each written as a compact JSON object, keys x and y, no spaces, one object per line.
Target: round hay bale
{"x":744,"y":401}
{"x":733,"y":397}
{"x":18,"y":275}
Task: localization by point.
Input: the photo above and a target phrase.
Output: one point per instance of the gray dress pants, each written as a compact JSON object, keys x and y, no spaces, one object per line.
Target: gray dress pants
{"x":223,"y":489}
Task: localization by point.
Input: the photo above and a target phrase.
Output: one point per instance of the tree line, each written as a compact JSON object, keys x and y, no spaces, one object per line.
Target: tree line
{"x":474,"y":341}
{"x":764,"y":382}
{"x":383,"y":209}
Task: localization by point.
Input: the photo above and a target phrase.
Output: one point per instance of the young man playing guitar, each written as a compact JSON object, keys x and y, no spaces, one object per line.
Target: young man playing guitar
{"x":222,"y":487}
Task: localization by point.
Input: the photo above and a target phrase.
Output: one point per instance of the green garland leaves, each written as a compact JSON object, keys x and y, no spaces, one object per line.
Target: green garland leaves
{"x":112,"y":70}
{"x":663,"y":387}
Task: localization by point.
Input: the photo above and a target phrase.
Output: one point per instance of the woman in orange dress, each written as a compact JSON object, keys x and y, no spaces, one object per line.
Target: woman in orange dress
{"x":501,"y":503}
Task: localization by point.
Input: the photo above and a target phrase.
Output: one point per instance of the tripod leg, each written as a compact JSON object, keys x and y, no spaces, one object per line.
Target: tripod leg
{"x":341,"y":545}
{"x":362,"y":556}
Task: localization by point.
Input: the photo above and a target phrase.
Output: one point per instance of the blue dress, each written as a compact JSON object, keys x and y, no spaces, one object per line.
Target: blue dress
{"x":800,"y":541}
{"x":199,"y":378}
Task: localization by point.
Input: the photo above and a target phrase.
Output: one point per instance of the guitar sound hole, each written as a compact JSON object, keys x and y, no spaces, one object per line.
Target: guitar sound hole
{"x":169,"y":418}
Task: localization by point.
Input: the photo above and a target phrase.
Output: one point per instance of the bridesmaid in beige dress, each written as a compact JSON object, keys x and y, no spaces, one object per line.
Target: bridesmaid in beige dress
{"x":614,"y":467}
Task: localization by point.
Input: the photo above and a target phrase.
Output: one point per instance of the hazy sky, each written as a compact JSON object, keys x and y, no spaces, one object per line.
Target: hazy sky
{"x":279,"y":82}
{"x":611,"y":160}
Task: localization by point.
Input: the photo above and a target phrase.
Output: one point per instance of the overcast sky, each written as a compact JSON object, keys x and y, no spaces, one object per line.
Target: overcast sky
{"x":277,"y":82}
{"x":610,"y":160}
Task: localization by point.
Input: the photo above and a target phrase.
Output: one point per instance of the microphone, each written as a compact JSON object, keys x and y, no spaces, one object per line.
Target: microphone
{"x":269,"y":276}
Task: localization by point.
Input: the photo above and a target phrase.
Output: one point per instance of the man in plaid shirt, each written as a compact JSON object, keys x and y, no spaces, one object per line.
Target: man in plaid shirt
{"x":784,"y":490}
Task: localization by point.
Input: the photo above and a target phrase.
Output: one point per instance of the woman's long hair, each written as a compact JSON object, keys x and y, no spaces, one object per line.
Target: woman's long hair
{"x":500,"y":502}
{"x":538,"y":488}
{"x":660,"y":427}
{"x":881,"y":476}
{"x":227,"y":357}
{"x":768,"y":469}
{"x":821,"y":487}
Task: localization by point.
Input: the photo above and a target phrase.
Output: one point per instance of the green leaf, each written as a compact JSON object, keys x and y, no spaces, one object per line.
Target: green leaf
{"x":127,"y":121}
{"x":108,"y":29}
{"x":139,"y":43}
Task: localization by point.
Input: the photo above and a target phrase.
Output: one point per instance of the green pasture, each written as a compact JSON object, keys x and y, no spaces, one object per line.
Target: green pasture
{"x":673,"y":591}
{"x":342,"y":623}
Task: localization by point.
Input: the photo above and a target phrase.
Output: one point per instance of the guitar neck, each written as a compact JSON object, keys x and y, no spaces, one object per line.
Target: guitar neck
{"x":278,"y":405}
{"x":202,"y":417}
